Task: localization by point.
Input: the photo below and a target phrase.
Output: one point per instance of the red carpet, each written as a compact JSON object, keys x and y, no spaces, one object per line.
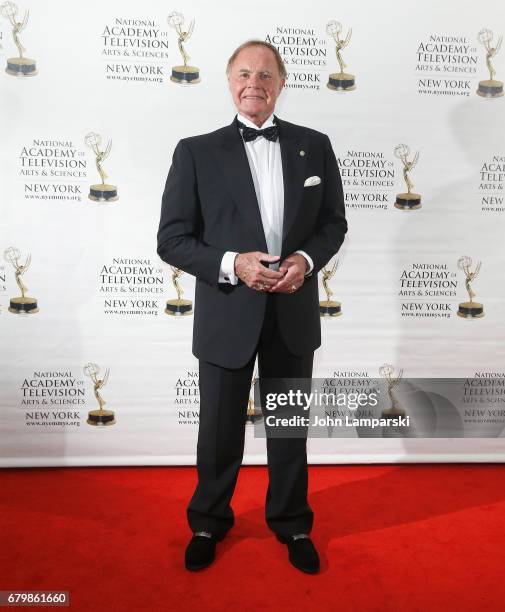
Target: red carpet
{"x":391,"y":538}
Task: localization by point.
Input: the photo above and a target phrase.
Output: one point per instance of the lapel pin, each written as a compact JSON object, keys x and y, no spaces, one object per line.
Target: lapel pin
{"x":302,"y":153}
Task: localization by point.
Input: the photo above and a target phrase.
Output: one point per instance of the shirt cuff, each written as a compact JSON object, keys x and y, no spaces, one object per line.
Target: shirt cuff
{"x":227,"y":270}
{"x":309,"y":261}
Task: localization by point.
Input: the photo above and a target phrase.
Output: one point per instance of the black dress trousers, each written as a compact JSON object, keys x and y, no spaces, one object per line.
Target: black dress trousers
{"x":224,"y":395}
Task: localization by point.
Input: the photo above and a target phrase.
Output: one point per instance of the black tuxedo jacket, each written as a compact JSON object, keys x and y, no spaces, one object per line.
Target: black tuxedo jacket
{"x":209,"y":206}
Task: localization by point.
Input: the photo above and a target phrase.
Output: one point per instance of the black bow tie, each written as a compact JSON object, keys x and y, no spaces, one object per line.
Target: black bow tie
{"x":248,"y":133}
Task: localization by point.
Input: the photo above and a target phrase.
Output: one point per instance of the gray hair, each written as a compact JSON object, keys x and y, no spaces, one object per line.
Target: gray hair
{"x":258,"y":43}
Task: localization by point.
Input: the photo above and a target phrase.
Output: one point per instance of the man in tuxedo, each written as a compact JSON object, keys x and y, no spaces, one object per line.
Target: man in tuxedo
{"x":253,"y":210}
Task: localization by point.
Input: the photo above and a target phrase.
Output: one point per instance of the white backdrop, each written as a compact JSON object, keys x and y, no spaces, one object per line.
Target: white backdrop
{"x":100,"y":287}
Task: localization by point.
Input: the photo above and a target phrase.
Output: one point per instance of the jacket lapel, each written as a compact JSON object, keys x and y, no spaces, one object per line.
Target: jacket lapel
{"x":294,"y":151}
{"x":237,"y":173}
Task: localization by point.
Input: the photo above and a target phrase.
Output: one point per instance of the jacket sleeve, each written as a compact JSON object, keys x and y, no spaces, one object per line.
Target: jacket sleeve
{"x":180,"y":231}
{"x":331,"y":228}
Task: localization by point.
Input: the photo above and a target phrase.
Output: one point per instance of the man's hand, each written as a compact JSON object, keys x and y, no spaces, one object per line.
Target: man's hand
{"x":293,"y":269}
{"x":248,"y":267}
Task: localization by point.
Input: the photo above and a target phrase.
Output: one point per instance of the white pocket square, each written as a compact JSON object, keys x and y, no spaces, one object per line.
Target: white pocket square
{"x":311,"y":181}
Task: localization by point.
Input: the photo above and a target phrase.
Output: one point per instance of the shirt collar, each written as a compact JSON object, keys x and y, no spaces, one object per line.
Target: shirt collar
{"x":247,"y":122}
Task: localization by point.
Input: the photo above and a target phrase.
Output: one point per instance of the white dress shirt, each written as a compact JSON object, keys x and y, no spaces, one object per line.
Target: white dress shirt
{"x":265,"y":162}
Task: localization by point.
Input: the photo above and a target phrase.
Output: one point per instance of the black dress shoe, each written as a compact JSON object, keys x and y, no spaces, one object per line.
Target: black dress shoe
{"x":302,"y":552}
{"x":201,"y":550}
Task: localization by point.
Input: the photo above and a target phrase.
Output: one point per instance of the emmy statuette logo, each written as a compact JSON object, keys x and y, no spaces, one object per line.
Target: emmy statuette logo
{"x":20,"y":66}
{"x":22,"y":304}
{"x":101,"y":192}
{"x":340,"y":81}
{"x":387,"y":372}
{"x":409,"y":200}
{"x":490,"y":88}
{"x":100,"y":417}
{"x":328,"y":307}
{"x":254,"y":413}
{"x":185,"y":74}
{"x":178,"y":307}
{"x":470,"y":309}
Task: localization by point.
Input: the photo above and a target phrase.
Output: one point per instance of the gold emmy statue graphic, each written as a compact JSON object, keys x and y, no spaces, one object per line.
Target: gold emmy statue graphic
{"x":100,"y":417}
{"x":23,"y":304}
{"x":186,"y":75}
{"x":409,"y":200}
{"x":471,"y":309}
{"x":178,"y":307}
{"x":387,"y":371}
{"x":329,"y":308}
{"x":18,"y":66}
{"x":253,"y":412}
{"x":101,"y":192}
{"x":490,"y":88}
{"x":340,"y":81}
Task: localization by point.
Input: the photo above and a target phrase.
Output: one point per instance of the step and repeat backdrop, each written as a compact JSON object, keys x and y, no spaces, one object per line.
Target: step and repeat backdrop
{"x":95,"y":367}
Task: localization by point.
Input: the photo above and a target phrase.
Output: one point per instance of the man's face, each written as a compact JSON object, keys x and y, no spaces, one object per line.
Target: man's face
{"x":255,"y":83}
